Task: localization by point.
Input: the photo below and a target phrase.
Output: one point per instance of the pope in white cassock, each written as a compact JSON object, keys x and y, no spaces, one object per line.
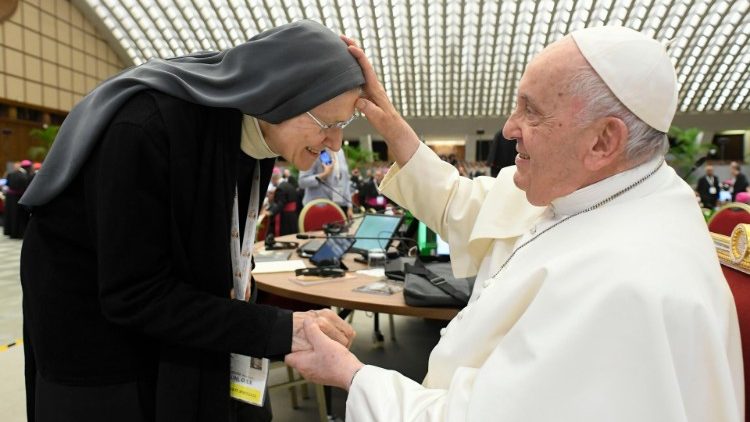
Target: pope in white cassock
{"x":599,"y":296}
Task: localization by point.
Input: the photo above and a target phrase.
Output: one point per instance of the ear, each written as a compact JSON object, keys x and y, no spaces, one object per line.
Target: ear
{"x":609,"y":145}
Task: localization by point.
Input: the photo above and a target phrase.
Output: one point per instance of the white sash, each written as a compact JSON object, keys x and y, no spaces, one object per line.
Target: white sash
{"x":241,"y":257}
{"x":247,"y":375}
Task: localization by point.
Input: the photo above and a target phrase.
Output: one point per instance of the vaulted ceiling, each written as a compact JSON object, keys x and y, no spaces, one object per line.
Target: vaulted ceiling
{"x":445,"y":58}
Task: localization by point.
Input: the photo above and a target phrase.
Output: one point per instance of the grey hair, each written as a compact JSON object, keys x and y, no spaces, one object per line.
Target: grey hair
{"x":644,"y":142}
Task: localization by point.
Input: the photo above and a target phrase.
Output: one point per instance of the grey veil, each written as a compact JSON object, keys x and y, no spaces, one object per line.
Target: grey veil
{"x":276,"y":75}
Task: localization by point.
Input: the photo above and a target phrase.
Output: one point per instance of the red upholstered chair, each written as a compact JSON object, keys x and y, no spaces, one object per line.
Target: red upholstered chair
{"x":734,"y":257}
{"x":318,"y":212}
{"x":262,"y":228}
{"x":739,"y":283}
{"x":727,"y":217}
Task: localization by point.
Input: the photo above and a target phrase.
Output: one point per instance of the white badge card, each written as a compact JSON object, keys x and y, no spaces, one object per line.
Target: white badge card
{"x":712,"y":190}
{"x":247,"y":379}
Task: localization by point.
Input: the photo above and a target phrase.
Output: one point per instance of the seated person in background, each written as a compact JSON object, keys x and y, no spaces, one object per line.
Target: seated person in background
{"x":356,"y":180}
{"x":282,"y":210}
{"x":739,"y":180}
{"x":289,"y":177}
{"x":599,"y":295}
{"x":708,"y":188}
{"x":369,"y":194}
{"x":333,"y":189}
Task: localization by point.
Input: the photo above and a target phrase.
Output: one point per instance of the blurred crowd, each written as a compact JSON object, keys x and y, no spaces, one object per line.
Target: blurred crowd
{"x":712,"y":193}
{"x":353,"y":190}
{"x":12,"y":186}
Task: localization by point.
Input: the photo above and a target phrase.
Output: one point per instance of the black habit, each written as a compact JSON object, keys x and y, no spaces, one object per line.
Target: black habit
{"x":126,"y":274}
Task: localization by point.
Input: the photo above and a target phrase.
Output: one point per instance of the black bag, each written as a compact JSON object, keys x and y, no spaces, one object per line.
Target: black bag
{"x":433,"y":284}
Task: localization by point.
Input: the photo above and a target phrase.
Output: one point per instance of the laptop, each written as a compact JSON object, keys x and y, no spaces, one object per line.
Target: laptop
{"x":380,"y":226}
{"x":431,"y":246}
{"x":331,"y":252}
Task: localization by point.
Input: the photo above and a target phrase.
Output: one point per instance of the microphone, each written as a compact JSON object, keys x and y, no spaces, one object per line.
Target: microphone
{"x":334,"y":190}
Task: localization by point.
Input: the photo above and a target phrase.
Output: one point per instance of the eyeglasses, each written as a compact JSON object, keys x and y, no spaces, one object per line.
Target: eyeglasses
{"x":336,"y":125}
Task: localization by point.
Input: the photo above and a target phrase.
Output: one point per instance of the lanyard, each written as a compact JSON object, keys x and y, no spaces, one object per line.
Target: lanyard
{"x":241,"y":262}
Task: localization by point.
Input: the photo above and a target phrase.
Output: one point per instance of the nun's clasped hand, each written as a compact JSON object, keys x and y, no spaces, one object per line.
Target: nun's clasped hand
{"x":330,"y":324}
{"x":328,"y":362}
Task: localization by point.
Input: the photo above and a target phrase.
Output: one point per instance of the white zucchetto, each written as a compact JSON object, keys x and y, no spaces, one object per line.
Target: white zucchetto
{"x":636,"y":68}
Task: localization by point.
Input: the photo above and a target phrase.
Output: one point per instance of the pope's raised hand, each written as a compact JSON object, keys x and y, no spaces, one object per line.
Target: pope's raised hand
{"x":377,"y":108}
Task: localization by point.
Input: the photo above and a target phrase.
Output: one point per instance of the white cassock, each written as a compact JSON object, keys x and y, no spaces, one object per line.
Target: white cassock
{"x":618,"y":314}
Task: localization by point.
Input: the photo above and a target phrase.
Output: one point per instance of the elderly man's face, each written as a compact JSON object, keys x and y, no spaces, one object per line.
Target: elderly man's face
{"x":550,"y":152}
{"x":300,"y":140}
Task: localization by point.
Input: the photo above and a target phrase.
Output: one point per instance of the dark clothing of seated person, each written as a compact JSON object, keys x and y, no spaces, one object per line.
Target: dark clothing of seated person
{"x":283,"y":210}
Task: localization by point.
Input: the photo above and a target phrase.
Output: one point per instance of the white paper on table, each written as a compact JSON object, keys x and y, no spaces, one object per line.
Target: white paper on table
{"x":373,"y":272}
{"x":278,"y":266}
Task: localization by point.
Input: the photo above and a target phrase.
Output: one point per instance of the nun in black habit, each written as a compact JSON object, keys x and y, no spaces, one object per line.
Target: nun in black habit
{"x":127,"y":265}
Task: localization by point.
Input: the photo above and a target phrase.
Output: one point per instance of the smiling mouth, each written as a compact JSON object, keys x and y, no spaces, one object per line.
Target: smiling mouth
{"x":313,"y":150}
{"x":523,"y":156}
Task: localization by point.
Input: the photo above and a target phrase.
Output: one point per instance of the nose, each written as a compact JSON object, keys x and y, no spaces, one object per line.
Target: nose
{"x":511,"y":130}
{"x":334,"y":139}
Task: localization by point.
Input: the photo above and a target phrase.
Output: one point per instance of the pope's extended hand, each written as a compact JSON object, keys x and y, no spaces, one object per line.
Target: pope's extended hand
{"x":377,"y":108}
{"x":327,"y":363}
{"x":330,"y":324}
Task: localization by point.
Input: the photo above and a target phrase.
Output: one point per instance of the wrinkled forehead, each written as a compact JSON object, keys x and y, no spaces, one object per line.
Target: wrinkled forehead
{"x":551,"y":69}
{"x":340,"y":107}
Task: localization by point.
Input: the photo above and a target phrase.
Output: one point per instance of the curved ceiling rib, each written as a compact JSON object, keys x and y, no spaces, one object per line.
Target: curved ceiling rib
{"x":483,"y":49}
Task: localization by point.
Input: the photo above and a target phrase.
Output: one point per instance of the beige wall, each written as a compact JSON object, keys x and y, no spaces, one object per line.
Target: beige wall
{"x":51,"y":56}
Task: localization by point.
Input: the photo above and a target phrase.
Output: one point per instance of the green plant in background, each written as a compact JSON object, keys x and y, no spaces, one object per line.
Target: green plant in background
{"x":685,"y":150}
{"x":355,"y":156}
{"x":46,"y":136}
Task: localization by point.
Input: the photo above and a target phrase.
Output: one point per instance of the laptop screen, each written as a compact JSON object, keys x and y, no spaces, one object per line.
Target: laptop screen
{"x":442,"y":248}
{"x":431,"y":245}
{"x":380,"y":226}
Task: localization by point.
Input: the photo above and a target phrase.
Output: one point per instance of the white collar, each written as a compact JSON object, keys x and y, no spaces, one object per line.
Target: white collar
{"x":252,"y":142}
{"x":592,"y":194}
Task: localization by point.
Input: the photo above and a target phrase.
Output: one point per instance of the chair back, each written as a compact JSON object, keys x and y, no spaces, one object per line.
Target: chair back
{"x":735,"y":264}
{"x":319,"y":212}
{"x":727,"y":217}
{"x":262,"y":228}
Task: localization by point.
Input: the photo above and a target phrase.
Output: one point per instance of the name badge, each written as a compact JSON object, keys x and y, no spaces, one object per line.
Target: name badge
{"x":247,"y":379}
{"x":712,"y":190}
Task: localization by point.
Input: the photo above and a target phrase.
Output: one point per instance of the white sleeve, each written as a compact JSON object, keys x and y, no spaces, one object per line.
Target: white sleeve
{"x":399,"y":398}
{"x":434,"y":192}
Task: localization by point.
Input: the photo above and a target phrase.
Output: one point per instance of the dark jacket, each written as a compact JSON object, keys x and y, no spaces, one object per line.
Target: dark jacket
{"x":283,"y":210}
{"x":704,"y":190}
{"x":740,"y":185}
{"x":126,"y":274}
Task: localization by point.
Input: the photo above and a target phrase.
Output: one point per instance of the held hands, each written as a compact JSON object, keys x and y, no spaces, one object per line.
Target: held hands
{"x":327,"y":362}
{"x":329,"y":324}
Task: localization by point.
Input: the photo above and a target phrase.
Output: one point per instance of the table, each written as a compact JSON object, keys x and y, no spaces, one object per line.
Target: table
{"x":339,"y":293}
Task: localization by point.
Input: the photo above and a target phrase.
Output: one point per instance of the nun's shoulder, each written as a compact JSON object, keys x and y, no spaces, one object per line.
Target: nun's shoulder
{"x":139,"y":109}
